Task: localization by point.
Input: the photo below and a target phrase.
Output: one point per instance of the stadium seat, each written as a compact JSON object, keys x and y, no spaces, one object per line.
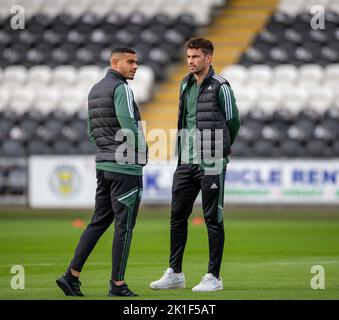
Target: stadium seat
{"x":320,"y":99}
{"x":310,"y":72}
{"x":39,"y":76}
{"x":246,"y":98}
{"x":21,"y":100}
{"x":64,"y":76}
{"x":100,"y":8}
{"x":294,"y":99}
{"x":317,"y":149}
{"x":89,"y":75}
{"x":292,"y":148}
{"x":38,"y":147}
{"x":323,"y":133}
{"x":290,"y":7}
{"x":51,"y":7}
{"x":31,"y":6}
{"x":5,"y":7}
{"x":47,"y":100}
{"x":14,"y":75}
{"x":5,"y":127}
{"x":62,"y":148}
{"x":269,"y":99}
{"x":76,"y":8}
{"x":11,"y":148}
{"x":72,"y":100}
{"x":235,"y":74}
{"x":264,"y":148}
{"x":335,"y":149}
{"x":17,"y":181}
{"x":4,"y":98}
{"x":285,"y":73}
{"x":260,"y":73}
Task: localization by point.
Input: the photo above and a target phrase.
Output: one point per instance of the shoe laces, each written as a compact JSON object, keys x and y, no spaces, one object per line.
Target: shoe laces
{"x":207,"y":277}
{"x":168,"y":271}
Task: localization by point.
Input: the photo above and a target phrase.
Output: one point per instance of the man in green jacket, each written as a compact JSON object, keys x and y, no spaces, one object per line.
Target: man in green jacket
{"x":208,"y":123}
{"x":114,"y":126}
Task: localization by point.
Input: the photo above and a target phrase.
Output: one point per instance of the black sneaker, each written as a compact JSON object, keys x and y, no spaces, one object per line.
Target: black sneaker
{"x":120,"y":291}
{"x":70,"y":285}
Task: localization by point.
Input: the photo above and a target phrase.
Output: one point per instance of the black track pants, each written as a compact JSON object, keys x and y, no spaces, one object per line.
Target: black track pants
{"x":188,"y":180}
{"x":117,"y":197}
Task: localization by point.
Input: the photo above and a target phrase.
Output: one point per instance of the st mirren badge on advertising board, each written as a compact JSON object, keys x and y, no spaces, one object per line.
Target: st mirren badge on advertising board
{"x":65,"y":181}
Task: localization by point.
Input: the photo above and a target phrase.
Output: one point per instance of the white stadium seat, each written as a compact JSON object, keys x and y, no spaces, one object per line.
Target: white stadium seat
{"x":47,"y":100}
{"x":291,"y":7}
{"x":21,"y":100}
{"x":333,"y":5}
{"x":294,"y":99}
{"x":5,"y":7}
{"x":89,"y":75}
{"x":269,"y":99}
{"x":124,"y":7}
{"x":101,"y":8}
{"x":332,"y":72}
{"x":144,"y":75}
{"x":39,"y":75}
{"x":311,"y":72}
{"x":76,"y":7}
{"x":285,"y":73}
{"x":72,"y":100}
{"x":235,"y":74}
{"x":31,"y":7}
{"x":15,"y":75}
{"x":52,"y":8}
{"x":202,"y":14}
{"x":64,"y":76}
{"x":260,"y":73}
{"x":245,"y":97}
{"x":307,"y":5}
{"x":320,"y":99}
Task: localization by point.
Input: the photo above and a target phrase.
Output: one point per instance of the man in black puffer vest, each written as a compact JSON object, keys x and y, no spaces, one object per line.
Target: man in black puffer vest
{"x":208,"y":123}
{"x":114,"y":126}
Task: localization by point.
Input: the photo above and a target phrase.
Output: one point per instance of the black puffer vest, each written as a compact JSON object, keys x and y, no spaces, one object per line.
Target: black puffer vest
{"x":104,"y":121}
{"x":209,"y":115}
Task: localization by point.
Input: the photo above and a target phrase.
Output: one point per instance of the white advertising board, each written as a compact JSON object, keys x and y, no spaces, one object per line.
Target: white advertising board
{"x":71,"y":182}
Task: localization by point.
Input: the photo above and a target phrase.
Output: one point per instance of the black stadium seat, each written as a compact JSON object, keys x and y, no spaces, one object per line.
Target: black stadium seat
{"x":17,"y":181}
{"x":11,"y":148}
{"x":310,"y":45}
{"x":85,"y":40}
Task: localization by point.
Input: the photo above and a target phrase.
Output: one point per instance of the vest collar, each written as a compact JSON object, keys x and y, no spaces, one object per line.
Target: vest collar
{"x":113,"y":73}
{"x":209,"y":75}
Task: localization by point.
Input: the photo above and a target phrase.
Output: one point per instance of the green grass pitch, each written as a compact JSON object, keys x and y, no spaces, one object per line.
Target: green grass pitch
{"x":268,"y":256}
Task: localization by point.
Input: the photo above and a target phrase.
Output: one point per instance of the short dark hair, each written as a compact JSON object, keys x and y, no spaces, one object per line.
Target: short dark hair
{"x":122,"y":50}
{"x":205,"y":45}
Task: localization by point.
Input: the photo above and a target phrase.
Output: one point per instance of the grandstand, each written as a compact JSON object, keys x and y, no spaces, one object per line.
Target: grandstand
{"x":284,"y":74}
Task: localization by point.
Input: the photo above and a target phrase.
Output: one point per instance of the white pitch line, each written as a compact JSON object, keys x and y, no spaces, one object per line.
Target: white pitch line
{"x":226,"y":262}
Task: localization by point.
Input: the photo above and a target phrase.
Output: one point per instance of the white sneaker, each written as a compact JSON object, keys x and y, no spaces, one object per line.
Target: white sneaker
{"x":208,"y":283}
{"x":170,"y":280}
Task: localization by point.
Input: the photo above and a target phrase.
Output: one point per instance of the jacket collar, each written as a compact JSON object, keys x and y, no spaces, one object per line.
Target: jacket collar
{"x":113,"y":73}
{"x":208,"y":76}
